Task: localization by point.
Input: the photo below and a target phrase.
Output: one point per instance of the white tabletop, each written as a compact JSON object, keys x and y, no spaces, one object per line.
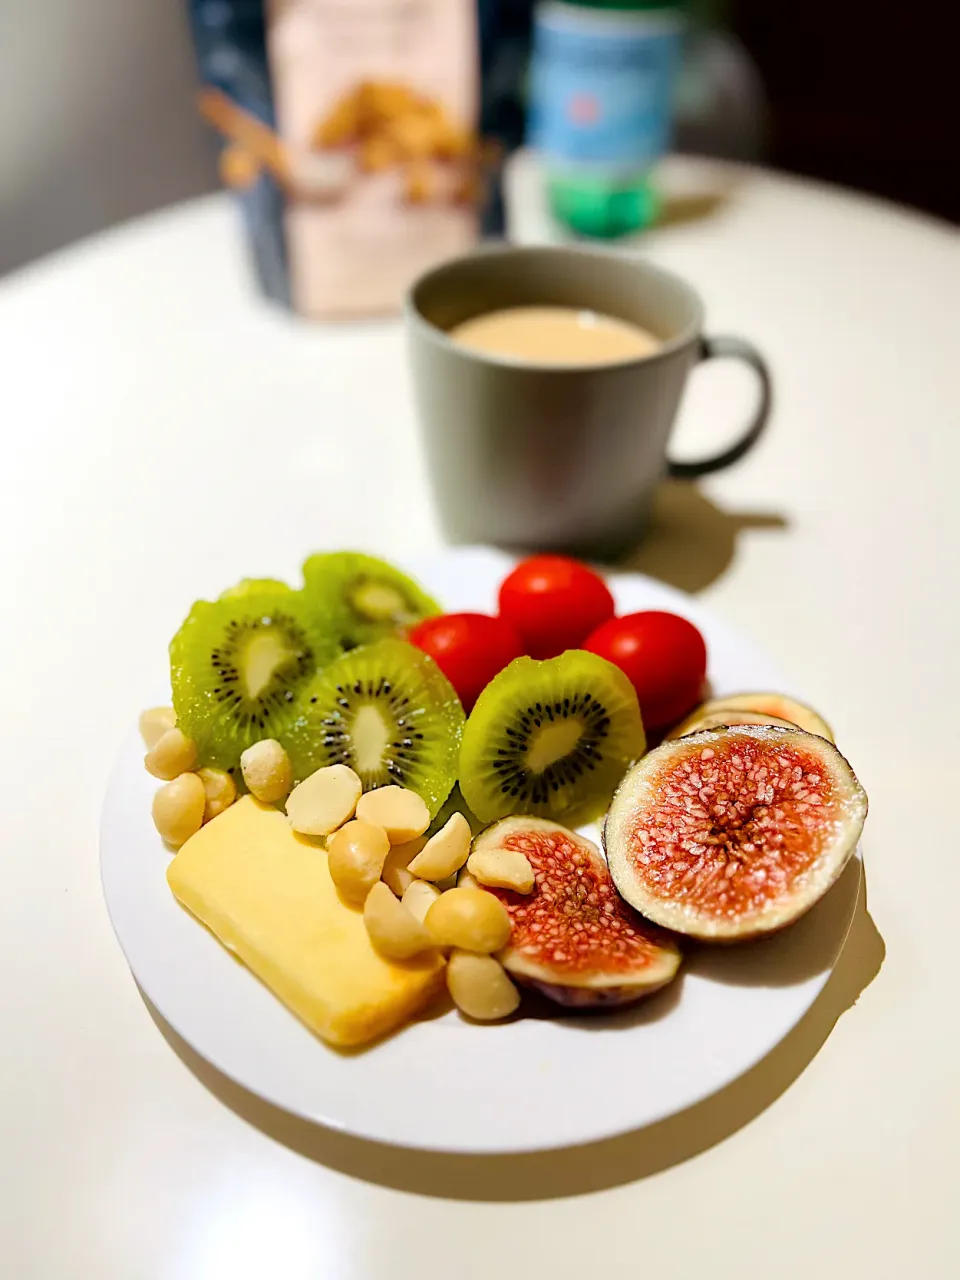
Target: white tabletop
{"x":163,"y":433}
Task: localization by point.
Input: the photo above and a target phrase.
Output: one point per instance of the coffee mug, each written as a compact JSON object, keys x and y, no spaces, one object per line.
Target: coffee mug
{"x":558,"y":457}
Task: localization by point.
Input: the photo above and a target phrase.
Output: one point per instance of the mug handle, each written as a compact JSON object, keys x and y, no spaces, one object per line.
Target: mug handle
{"x":740,"y":349}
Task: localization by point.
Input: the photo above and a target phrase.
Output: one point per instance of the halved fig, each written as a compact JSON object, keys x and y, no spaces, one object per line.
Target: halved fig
{"x":773,"y":704}
{"x":732,"y":833}
{"x":573,"y":938}
{"x":722,"y":717}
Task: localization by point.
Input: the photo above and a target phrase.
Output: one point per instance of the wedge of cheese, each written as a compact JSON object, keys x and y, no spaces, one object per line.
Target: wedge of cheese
{"x":266,"y":893}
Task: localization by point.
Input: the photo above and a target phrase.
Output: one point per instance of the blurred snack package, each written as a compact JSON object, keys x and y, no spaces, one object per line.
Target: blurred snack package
{"x":350,"y":138}
{"x":230,"y":41}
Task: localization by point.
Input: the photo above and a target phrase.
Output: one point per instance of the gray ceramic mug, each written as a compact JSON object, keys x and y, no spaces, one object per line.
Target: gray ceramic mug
{"x":563,"y":457}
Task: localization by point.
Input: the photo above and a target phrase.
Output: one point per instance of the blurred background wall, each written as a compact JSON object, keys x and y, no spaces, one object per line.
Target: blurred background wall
{"x":97,"y":122}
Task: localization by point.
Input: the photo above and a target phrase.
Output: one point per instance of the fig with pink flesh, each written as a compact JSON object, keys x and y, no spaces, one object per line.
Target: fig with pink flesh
{"x":732,"y":833}
{"x":573,"y":938}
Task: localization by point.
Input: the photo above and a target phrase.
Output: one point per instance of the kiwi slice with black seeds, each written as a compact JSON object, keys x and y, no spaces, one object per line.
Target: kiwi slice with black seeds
{"x":238,"y":664}
{"x":550,"y":738}
{"x":387,"y":711}
{"x":362,"y":598}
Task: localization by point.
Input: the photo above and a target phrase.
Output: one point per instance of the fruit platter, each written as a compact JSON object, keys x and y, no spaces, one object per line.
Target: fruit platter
{"x":476,"y":834}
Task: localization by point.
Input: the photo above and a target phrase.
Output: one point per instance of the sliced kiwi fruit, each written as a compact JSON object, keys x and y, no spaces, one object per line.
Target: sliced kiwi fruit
{"x":387,"y":711}
{"x":362,"y":598}
{"x":550,"y":738}
{"x":238,"y":664}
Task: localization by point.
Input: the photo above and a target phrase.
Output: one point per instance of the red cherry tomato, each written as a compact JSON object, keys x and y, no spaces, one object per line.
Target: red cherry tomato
{"x":664,"y":658}
{"x":554,"y":603}
{"x":469,"y":648}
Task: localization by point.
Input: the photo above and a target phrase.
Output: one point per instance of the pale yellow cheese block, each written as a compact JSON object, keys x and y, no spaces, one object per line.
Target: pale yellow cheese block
{"x":267,"y":895}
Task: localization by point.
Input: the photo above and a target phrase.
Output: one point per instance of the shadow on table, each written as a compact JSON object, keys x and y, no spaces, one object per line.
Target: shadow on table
{"x":682,"y":207}
{"x":576,"y":1170}
{"x":690,"y":542}
{"x":695,"y":189}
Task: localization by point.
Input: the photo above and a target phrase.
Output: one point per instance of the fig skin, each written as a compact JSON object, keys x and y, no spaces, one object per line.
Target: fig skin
{"x":778,"y":705}
{"x":776,"y":827}
{"x":588,"y":999}
{"x":621,"y":957}
{"x":723,"y":718}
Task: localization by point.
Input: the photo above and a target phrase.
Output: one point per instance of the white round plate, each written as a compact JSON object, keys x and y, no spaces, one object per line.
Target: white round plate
{"x":530,"y":1084}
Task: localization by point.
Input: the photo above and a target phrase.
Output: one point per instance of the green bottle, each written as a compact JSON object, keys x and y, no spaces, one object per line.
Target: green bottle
{"x":602,"y":80}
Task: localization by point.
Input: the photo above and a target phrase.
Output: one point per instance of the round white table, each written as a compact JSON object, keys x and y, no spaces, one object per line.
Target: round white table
{"x":163,"y":433}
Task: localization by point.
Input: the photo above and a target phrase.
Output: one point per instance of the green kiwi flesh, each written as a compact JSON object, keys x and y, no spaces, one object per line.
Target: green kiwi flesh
{"x":550,"y":738}
{"x":362,"y":598}
{"x":238,"y":664}
{"x":387,"y":711}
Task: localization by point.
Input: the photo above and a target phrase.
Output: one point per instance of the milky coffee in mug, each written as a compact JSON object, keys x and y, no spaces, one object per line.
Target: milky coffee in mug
{"x":554,"y":335}
{"x":529,"y":446}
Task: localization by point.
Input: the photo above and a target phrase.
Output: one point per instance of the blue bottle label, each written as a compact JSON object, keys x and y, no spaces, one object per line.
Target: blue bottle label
{"x":601,"y":87}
